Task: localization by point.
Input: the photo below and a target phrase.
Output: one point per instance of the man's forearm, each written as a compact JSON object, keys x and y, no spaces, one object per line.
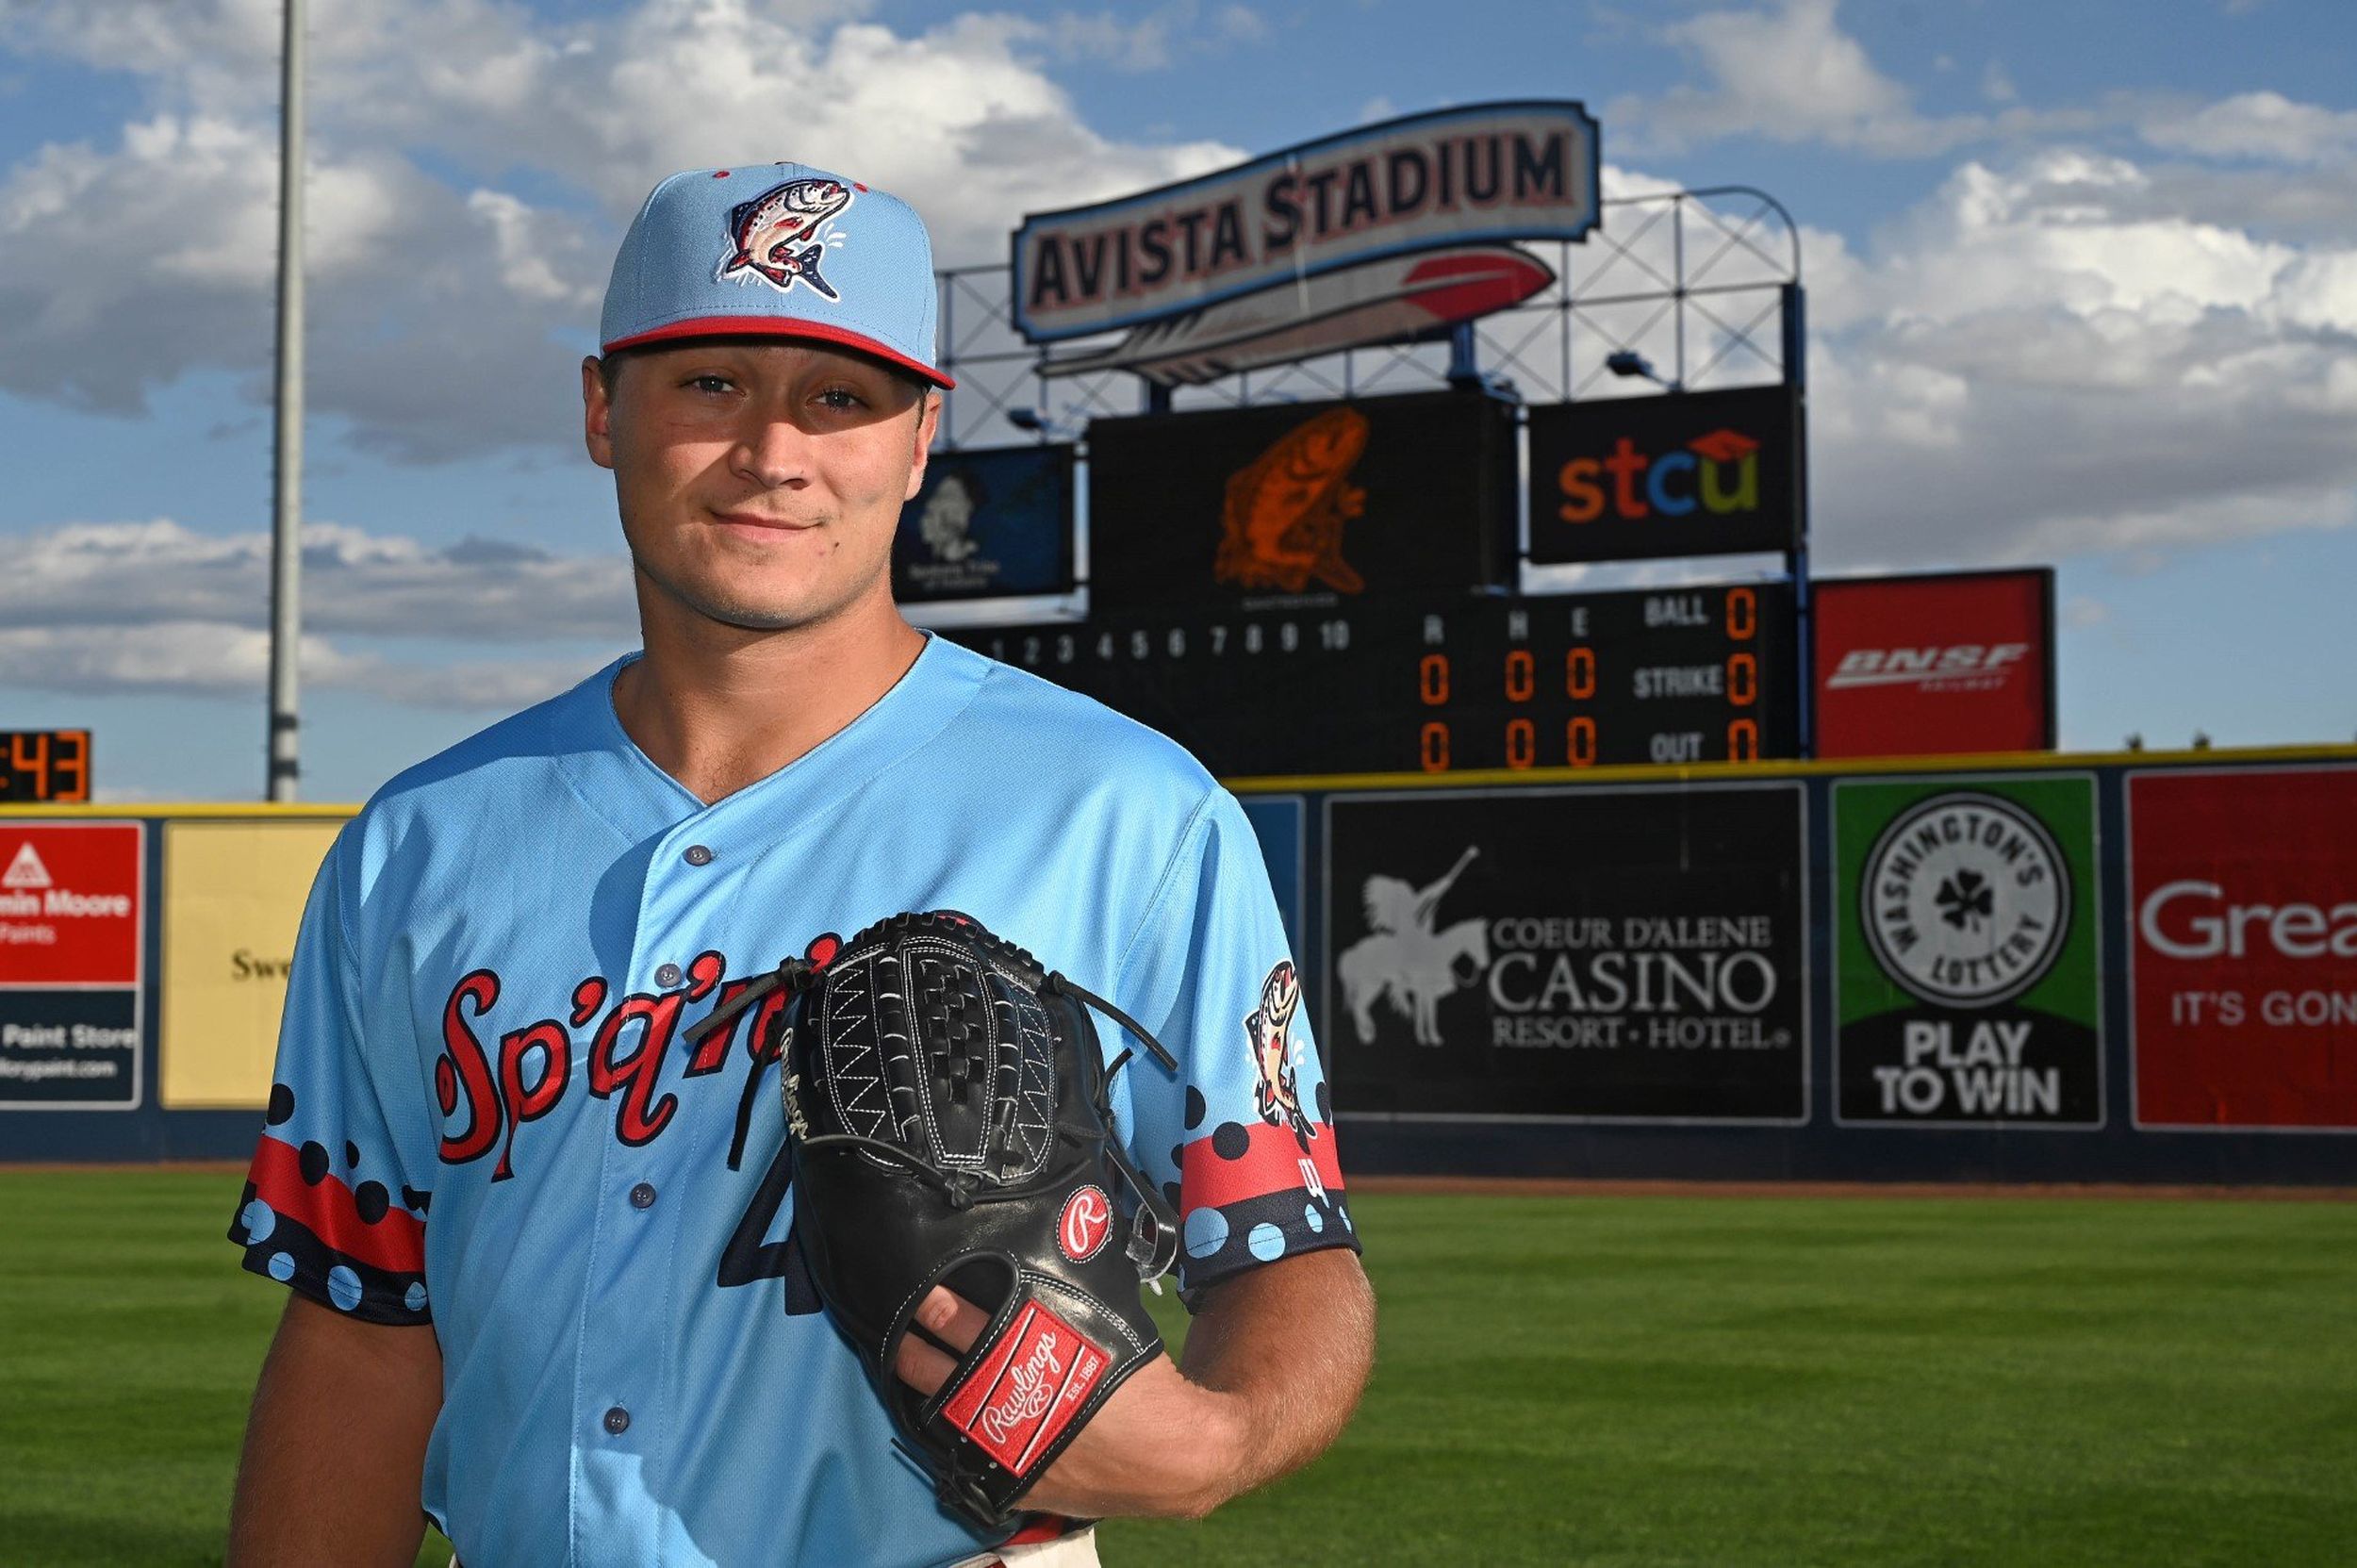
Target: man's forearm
{"x":336,"y":1445}
{"x":1289,"y":1345}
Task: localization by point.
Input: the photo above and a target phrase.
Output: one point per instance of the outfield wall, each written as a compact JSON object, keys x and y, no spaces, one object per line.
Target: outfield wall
{"x":2025,"y":968}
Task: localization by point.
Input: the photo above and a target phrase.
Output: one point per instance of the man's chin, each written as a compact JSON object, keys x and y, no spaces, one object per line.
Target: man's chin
{"x":754,"y":615}
{"x":736,"y":610}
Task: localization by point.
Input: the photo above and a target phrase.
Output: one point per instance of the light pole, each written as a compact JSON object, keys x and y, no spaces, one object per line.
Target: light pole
{"x":286,"y":554}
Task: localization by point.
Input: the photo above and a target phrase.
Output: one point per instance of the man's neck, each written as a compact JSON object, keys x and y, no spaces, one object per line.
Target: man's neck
{"x":719,"y":708}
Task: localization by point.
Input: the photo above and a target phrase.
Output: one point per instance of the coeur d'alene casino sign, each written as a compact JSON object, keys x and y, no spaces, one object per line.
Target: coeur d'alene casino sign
{"x":1377,"y":232}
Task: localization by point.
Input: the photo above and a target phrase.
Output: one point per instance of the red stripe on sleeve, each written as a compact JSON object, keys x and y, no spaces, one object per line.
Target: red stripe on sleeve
{"x":1271,"y":1163}
{"x":395,"y":1243}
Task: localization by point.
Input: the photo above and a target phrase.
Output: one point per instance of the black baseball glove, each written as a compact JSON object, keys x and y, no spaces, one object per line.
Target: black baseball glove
{"x":946,"y":1099}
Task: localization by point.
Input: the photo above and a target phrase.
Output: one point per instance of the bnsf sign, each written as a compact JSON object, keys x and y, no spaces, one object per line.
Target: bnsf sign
{"x":1887,"y":667}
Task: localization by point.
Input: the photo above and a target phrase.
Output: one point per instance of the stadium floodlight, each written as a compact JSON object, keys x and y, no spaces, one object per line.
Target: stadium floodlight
{"x":1628,"y":362}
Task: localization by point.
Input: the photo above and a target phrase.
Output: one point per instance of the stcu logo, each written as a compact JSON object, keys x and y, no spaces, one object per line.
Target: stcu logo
{"x":1087,"y":1220}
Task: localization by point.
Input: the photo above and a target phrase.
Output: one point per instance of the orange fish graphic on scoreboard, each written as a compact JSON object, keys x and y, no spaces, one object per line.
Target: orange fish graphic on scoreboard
{"x":1282,"y":524}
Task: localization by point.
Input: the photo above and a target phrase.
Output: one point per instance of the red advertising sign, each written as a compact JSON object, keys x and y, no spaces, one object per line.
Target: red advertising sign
{"x":1956,"y":662}
{"x":68,"y":903}
{"x":2243,"y":950}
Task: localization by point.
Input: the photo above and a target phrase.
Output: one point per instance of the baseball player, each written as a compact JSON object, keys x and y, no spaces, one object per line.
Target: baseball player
{"x":545,"y":1287}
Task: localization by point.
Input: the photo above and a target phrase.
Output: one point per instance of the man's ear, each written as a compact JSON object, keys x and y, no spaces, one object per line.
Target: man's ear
{"x":927,"y":421}
{"x":597,"y":412}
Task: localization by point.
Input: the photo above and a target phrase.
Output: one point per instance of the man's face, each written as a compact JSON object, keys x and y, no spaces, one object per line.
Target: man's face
{"x":759,"y":481}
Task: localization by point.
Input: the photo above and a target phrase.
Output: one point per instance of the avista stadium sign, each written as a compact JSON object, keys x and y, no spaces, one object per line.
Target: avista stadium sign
{"x":1456,"y":187}
{"x":1685,"y":473}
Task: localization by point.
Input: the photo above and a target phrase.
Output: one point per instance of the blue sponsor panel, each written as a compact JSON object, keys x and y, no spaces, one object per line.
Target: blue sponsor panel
{"x":987,"y":523}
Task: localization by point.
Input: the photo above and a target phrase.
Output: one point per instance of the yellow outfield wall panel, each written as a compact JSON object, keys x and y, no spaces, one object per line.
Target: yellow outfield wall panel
{"x":233,"y":895}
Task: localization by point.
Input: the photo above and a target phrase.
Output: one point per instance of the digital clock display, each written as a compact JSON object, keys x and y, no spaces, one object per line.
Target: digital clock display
{"x":43,"y":766}
{"x":1671,"y":675}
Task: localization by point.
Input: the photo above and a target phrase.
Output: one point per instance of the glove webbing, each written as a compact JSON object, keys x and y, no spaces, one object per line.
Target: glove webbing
{"x":1153,"y":1244}
{"x":1154,"y":1229}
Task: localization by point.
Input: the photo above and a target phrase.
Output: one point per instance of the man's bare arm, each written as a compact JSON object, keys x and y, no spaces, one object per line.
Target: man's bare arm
{"x":1274,"y":1364}
{"x":336,"y":1445}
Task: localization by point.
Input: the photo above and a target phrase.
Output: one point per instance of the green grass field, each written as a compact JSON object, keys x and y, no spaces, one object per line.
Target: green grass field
{"x":1649,"y":1381}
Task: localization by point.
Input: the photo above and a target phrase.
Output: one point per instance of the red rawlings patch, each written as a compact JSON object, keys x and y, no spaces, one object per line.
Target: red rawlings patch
{"x":1087,"y":1220}
{"x":1027,"y":1389}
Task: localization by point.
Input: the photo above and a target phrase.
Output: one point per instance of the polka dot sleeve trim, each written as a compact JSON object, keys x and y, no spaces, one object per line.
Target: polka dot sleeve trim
{"x":344,"y":1245}
{"x":1250,"y":1194}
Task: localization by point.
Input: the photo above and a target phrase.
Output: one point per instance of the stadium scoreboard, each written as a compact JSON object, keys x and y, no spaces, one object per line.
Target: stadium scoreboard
{"x":1668,"y":675}
{"x":41,"y":766}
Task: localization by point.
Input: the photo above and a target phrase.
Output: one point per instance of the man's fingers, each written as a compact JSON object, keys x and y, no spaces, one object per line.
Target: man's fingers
{"x":949,"y":1318}
{"x":921,"y":1366}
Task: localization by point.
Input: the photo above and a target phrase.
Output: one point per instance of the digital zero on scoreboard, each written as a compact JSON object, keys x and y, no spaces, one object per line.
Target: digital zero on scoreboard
{"x":1672,"y":676}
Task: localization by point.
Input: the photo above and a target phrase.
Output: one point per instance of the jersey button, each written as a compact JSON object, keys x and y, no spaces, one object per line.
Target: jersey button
{"x":617,"y":1421}
{"x":642,"y":1196}
{"x":668,"y":976}
{"x":697,"y":855}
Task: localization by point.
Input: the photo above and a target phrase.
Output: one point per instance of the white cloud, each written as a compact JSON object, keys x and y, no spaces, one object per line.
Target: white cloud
{"x":207,"y":659}
{"x":2042,"y":361}
{"x":1241,"y":23}
{"x":158,"y":607}
{"x":1791,"y":74}
{"x":1137,"y":41}
{"x":443,"y":316}
{"x":1136,"y":44}
{"x":2265,"y":126}
{"x":115,"y":574}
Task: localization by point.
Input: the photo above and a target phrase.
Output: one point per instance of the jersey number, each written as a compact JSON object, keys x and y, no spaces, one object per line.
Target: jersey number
{"x":749,"y":1258}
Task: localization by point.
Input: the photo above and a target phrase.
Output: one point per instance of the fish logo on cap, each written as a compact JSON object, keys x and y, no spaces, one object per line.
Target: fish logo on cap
{"x":780,"y":234}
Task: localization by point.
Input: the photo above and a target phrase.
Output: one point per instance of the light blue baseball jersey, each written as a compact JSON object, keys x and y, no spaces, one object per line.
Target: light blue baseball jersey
{"x":486,"y":1113}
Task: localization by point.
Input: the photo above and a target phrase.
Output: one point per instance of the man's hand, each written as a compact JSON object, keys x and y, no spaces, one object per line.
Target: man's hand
{"x":1274,"y":1361}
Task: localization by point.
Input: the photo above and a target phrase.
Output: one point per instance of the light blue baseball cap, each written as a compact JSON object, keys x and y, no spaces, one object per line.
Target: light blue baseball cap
{"x":776,"y":250}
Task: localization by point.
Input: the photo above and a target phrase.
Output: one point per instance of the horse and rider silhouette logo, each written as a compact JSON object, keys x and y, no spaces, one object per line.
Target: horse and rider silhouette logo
{"x":1406,"y":961}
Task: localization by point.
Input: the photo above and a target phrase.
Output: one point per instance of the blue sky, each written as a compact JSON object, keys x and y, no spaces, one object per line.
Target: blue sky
{"x":2083,"y":291}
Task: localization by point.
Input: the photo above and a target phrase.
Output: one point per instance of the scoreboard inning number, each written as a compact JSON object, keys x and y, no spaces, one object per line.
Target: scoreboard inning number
{"x":1630,"y":677}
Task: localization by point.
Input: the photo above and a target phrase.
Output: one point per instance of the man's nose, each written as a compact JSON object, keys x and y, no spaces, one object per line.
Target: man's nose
{"x":773,"y":454}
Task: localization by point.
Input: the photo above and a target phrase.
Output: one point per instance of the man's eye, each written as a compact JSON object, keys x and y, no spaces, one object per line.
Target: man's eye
{"x":841,"y":398}
{"x":715,"y":384}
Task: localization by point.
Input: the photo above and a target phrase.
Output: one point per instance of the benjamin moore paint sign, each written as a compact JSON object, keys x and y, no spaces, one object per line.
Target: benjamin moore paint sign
{"x":1507,"y":171}
{"x":1591,"y":954}
{"x":987,"y":523}
{"x":233,"y":895}
{"x":72,"y":900}
{"x":1967,"y":976}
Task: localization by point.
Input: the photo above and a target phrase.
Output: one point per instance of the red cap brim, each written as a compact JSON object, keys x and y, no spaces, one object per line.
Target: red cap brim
{"x":775,"y":326}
